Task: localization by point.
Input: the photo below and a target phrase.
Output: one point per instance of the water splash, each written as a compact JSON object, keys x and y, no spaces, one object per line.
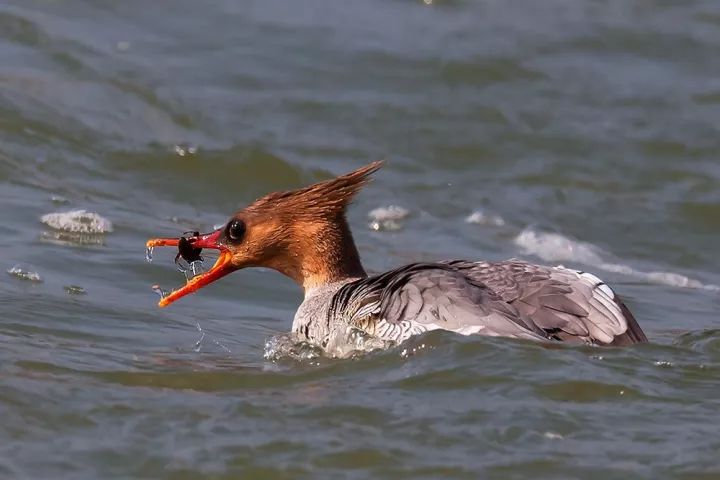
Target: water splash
{"x":215,"y":341}
{"x":289,"y":346}
{"x":480,"y":217}
{"x":78,"y":221}
{"x":554,"y":247}
{"x":190,"y":270}
{"x":24,"y":273}
{"x":149,"y":254}
{"x":358,"y":341}
{"x":196,"y":267}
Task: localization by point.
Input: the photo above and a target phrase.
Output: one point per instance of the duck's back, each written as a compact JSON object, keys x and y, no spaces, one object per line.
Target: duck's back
{"x":511,"y":298}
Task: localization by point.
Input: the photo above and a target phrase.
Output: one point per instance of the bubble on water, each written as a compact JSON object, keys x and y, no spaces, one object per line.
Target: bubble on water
{"x":78,"y":221}
{"x":24,"y":273}
{"x":74,"y":290}
{"x":663,"y":363}
{"x":389,"y":218}
{"x":149,"y":254}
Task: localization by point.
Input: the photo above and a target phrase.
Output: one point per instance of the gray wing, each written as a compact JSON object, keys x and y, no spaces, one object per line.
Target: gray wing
{"x":569,"y":305}
{"x":427,"y":296}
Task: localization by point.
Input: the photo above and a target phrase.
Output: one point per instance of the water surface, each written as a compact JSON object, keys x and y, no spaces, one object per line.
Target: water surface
{"x":575,"y":132}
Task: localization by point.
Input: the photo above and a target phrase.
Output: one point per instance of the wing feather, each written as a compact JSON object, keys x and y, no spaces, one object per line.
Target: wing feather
{"x":511,"y":298}
{"x":429,"y":296}
{"x":556,"y":298}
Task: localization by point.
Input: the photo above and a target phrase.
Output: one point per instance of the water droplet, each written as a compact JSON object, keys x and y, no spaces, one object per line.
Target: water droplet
{"x":217,"y":342}
{"x":160,"y":291}
{"x":181,"y":265}
{"x":148,"y":254}
{"x":191,"y":270}
{"x":196,"y":267}
{"x":198,"y":344}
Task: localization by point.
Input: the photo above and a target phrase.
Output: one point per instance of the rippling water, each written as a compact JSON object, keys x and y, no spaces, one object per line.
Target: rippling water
{"x":576,"y":132}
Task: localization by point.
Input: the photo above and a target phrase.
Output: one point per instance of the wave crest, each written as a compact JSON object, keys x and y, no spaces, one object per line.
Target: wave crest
{"x":554,"y":247}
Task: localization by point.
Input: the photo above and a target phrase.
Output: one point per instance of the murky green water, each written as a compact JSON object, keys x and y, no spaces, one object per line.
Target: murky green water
{"x":579,"y":132}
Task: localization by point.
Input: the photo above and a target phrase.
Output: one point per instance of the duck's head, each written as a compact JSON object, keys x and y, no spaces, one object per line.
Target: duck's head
{"x":301,"y":233}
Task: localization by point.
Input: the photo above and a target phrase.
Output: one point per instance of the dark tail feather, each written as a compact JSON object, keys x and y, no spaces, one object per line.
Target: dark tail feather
{"x":634,"y":333}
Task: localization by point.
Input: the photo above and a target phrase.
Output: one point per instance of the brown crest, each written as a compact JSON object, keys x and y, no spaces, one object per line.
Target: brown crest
{"x":303,"y":233}
{"x":321,"y":200}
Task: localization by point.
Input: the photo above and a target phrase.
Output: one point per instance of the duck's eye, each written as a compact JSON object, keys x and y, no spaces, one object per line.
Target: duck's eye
{"x":236,"y":230}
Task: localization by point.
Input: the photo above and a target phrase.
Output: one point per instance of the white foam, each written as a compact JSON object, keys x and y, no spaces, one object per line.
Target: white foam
{"x":78,"y":221}
{"x":388,"y":218}
{"x":185,"y":150}
{"x":554,"y":247}
{"x":481,"y":217}
{"x":24,"y":273}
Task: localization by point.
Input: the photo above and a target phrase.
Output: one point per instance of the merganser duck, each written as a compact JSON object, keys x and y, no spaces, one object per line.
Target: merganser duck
{"x":304,"y":234}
